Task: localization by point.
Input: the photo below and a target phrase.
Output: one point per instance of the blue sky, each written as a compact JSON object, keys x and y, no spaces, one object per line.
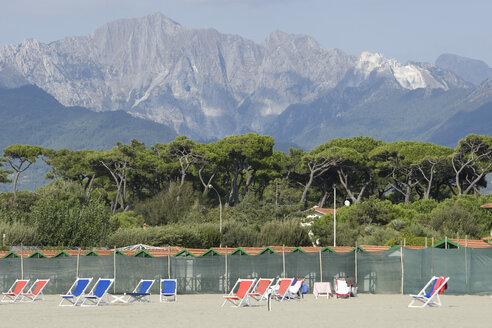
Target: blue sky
{"x":417,"y":30}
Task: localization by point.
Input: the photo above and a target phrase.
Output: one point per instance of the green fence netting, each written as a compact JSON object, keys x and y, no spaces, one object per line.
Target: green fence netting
{"x":376,"y":272}
{"x":379,"y":272}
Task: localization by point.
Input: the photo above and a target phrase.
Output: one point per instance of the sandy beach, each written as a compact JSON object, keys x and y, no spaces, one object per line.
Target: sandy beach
{"x":206,"y":311}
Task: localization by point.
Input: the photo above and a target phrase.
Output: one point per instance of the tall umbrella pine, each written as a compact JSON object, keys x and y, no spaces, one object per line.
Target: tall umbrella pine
{"x":471,"y":161}
{"x":20,"y":158}
{"x":241,"y":156}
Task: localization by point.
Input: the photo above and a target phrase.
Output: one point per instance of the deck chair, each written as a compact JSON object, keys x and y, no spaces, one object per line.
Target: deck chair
{"x":295,"y":291}
{"x":15,"y":291}
{"x":140,"y":293}
{"x":35,"y":293}
{"x":281,"y":290}
{"x":260,"y":290}
{"x":431,"y":297}
{"x":99,"y":294}
{"x":342,"y":288}
{"x":241,"y":296}
{"x":168,"y":290}
{"x":75,"y":293}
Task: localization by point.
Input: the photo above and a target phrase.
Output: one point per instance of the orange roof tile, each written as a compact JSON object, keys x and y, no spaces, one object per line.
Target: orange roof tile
{"x":50,"y":253}
{"x":472,"y":243}
{"x":416,"y":247}
{"x":173,"y":250}
{"x":372,"y":248}
{"x":324,"y":211}
{"x":252,"y":250}
{"x":342,"y":249}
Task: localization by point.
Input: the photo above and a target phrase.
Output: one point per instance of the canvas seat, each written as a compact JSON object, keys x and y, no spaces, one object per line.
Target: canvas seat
{"x":141,"y":293}
{"x":260,"y":290}
{"x":342,"y":288}
{"x":168,"y":290}
{"x":239,"y":295}
{"x":99,"y":294}
{"x":430,"y":297}
{"x":295,"y":291}
{"x":15,"y":291}
{"x":75,"y":293}
{"x":281,"y":290}
{"x":35,"y":293}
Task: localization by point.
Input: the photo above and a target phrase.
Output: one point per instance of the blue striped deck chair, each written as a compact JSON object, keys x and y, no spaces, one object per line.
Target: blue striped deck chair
{"x":75,"y":293}
{"x":430,"y":297}
{"x":168,"y":290}
{"x":99,"y":294}
{"x":141,"y":293}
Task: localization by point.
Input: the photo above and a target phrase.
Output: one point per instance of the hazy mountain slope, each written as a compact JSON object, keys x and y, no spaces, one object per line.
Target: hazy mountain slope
{"x":28,"y":115}
{"x":380,"y":112}
{"x":462,"y":124}
{"x":471,"y":70}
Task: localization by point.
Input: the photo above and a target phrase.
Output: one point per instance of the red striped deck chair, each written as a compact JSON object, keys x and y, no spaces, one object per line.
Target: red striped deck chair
{"x":282,"y":289}
{"x":261,"y":289}
{"x":342,"y":288}
{"x":431,"y":297}
{"x":240,"y":297}
{"x":35,"y":292}
{"x":15,"y":292}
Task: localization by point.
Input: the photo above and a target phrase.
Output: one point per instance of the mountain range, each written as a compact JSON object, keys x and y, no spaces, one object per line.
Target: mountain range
{"x":209,"y":85}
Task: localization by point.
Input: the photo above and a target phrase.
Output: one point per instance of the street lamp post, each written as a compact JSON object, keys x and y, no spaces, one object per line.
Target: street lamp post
{"x":220,"y":207}
{"x":334,"y":215}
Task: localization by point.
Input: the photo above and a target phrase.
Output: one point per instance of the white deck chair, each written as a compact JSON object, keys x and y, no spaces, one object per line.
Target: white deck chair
{"x":342,"y":289}
{"x":15,"y":291}
{"x":281,"y":289}
{"x":168,"y":290}
{"x":240,"y":296}
{"x":75,"y":293}
{"x":99,"y":294}
{"x":295,"y":291}
{"x":431,"y":297}
{"x":260,"y":290}
{"x":35,"y":293}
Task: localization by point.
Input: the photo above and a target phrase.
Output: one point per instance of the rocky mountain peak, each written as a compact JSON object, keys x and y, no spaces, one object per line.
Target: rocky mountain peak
{"x":203,"y":83}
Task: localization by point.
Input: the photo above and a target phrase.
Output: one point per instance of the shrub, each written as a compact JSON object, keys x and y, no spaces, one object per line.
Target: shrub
{"x":237,"y":234}
{"x":452,"y":218}
{"x":169,"y":206}
{"x":289,"y":233}
{"x":174,"y":235}
{"x":70,"y":223}
{"x":17,"y":233}
{"x":377,"y":236}
{"x":127,"y":219}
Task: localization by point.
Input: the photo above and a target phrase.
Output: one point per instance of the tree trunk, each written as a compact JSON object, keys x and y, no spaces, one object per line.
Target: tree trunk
{"x":306,"y":187}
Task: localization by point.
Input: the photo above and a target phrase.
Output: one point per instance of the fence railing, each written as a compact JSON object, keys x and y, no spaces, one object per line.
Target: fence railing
{"x":399,"y":270}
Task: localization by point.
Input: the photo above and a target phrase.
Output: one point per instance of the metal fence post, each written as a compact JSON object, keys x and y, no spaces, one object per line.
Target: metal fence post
{"x":226,"y":273}
{"x":78,"y":264}
{"x":283,"y":261}
{"x":356,"y":263}
{"x":114,"y":269}
{"x":402,"y":269}
{"x":320,"y":267}
{"x":466,"y":264}
{"x":22,"y":261}
{"x":168,"y":262}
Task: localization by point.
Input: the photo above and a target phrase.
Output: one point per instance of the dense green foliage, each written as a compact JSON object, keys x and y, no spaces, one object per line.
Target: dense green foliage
{"x":181,"y":193}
